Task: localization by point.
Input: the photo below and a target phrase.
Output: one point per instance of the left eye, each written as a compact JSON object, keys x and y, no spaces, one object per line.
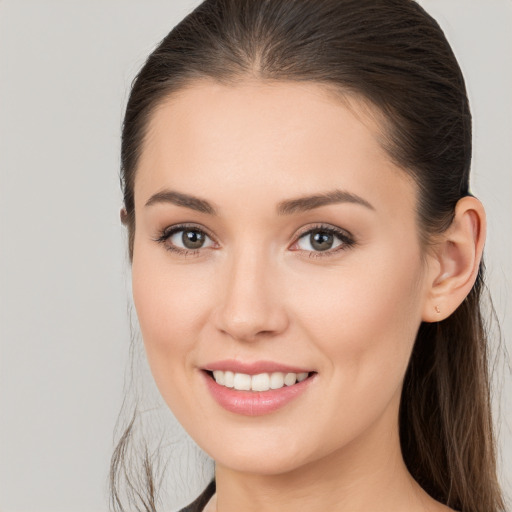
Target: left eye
{"x":189,"y":239}
{"x":321,"y":240}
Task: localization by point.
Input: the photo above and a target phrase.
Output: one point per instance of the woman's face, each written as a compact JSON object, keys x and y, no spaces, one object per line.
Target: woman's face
{"x":274,"y":236}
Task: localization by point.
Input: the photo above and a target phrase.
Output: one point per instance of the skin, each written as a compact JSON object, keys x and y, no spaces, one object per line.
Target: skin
{"x":256,"y":290}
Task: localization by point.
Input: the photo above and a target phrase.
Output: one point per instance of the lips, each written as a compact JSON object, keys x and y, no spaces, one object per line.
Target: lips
{"x":253,"y":389}
{"x":254,"y":368}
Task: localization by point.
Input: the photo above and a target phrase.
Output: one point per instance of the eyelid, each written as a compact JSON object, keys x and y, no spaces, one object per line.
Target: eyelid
{"x":345,"y":236}
{"x":175,"y":228}
{"x":322,"y":226}
{"x":165,"y":234}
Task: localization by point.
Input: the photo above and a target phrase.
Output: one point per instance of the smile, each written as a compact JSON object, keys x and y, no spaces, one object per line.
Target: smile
{"x":260,"y":382}
{"x":249,"y":390}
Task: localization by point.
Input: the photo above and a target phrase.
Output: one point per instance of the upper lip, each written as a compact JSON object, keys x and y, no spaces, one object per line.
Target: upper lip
{"x":253,"y":368}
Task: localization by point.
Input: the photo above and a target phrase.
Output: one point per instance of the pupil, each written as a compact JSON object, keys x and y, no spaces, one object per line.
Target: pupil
{"x":192,"y":239}
{"x":321,"y":241}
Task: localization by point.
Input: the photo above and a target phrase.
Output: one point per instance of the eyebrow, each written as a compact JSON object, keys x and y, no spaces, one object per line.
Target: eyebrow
{"x":180,"y":199}
{"x":306,"y":203}
{"x":288,"y":207}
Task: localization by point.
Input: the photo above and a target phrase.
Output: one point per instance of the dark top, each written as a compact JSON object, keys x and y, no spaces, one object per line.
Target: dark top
{"x":198,"y":504}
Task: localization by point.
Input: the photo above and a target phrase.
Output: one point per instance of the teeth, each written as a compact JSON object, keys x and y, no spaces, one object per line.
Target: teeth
{"x":219,"y":377}
{"x":290,"y":379}
{"x":242,"y":382}
{"x":277,"y":380}
{"x":229,"y":379}
{"x":260,"y":382}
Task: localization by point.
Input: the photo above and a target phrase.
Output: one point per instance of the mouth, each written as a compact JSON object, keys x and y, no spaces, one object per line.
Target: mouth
{"x":260,"y":382}
{"x":256,"y":394}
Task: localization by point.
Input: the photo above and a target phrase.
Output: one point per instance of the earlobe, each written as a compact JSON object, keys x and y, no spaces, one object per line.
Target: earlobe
{"x":123,"y":215}
{"x":457,"y":260}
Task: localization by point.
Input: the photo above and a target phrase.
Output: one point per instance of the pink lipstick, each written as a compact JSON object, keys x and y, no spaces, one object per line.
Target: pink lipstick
{"x":256,"y":388}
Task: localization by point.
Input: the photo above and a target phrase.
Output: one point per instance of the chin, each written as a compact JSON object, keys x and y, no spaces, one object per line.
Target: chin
{"x":266,"y":452}
{"x":258,"y":463}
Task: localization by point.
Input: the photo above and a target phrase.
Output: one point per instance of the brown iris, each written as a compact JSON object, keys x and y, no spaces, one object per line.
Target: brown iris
{"x":193,"y":239}
{"x":321,"y":240}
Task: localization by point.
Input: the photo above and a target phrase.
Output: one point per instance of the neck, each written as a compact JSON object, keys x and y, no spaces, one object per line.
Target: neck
{"x":369,"y":474}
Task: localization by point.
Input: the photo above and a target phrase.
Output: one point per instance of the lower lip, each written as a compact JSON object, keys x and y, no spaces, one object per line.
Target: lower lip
{"x":255,"y":403}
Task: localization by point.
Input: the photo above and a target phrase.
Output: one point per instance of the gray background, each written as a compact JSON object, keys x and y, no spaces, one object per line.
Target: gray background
{"x":65,"y":70}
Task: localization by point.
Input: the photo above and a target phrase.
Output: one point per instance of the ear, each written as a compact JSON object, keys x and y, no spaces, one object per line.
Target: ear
{"x":456,"y":260}
{"x":123,"y":214}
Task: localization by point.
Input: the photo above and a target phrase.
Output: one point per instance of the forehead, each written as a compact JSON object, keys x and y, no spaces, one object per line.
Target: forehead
{"x":278,"y":137}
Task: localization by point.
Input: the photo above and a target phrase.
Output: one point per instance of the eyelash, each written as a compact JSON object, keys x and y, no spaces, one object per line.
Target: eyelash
{"x":172,"y":230}
{"x":347,"y":241}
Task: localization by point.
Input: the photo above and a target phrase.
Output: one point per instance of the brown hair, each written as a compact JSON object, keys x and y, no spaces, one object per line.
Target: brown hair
{"x":392,"y":54}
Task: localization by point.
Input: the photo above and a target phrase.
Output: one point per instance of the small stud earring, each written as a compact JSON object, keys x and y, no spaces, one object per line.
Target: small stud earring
{"x":438,"y":309}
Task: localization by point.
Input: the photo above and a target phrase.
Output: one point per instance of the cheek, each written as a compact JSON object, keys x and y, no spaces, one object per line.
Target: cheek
{"x":363,"y":322}
{"x":171,"y":306}
{"x":365,"y":316}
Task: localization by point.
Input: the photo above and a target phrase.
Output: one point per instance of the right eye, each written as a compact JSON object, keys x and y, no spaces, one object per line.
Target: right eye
{"x":185,"y":240}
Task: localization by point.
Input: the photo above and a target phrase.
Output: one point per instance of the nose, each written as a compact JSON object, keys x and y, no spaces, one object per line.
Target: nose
{"x":251,"y":305}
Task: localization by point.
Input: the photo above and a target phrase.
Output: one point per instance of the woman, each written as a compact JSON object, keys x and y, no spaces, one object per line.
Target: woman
{"x":307,"y":258}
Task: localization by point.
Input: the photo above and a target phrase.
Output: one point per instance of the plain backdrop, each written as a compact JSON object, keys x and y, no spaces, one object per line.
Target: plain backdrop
{"x":65,"y":71}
